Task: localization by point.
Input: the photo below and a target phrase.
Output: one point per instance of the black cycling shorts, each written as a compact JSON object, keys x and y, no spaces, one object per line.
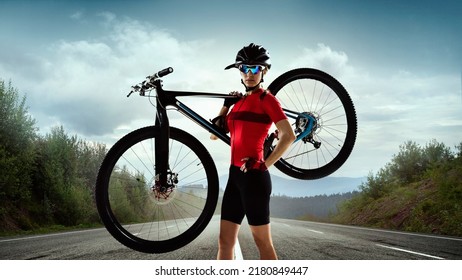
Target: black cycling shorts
{"x":247,"y":194}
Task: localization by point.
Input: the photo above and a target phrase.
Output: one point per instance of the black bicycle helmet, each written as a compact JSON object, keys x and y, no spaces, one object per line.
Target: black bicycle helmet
{"x":252,"y":55}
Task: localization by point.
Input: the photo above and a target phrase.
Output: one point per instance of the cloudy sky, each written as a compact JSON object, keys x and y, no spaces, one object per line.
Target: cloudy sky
{"x":76,"y":60}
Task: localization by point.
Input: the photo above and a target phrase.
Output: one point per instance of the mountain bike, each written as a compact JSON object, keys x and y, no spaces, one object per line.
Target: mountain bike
{"x":157,"y":188}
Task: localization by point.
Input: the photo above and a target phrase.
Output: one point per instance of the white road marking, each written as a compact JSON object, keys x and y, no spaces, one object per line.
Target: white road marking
{"x":50,"y":235}
{"x":394,"y":232}
{"x":410,"y":252}
{"x":237,"y":251}
{"x":315,"y":231}
{"x":312,"y":230}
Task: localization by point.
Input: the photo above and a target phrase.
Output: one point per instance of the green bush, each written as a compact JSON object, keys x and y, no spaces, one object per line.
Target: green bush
{"x":419,"y":190}
{"x":45,"y":180}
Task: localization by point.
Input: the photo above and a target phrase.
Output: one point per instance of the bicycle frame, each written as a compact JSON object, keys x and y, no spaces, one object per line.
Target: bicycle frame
{"x":166,"y":98}
{"x":169,"y":98}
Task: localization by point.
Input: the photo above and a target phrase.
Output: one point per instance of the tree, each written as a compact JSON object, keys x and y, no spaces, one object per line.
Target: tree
{"x":17,"y":136}
{"x":67,"y":169}
{"x":408,"y":164}
{"x":44,"y":180}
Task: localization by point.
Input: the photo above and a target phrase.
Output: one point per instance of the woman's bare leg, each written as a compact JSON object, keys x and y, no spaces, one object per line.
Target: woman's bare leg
{"x":227,"y":240}
{"x":264,"y":242}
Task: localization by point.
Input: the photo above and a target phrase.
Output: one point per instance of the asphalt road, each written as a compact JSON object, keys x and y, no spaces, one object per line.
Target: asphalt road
{"x":294,"y":240}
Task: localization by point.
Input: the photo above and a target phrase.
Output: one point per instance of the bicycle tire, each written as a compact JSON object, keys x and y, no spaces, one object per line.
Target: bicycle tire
{"x":132,"y":209}
{"x":319,"y":94}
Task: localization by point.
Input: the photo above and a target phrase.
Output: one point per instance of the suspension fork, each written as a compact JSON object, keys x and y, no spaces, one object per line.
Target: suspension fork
{"x":161,"y":145}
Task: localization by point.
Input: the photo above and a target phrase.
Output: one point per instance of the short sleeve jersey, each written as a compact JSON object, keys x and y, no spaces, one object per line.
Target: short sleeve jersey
{"x":249,"y":122}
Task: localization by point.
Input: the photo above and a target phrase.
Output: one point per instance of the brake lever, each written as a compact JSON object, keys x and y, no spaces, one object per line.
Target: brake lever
{"x":135,"y":88}
{"x":149,"y":82}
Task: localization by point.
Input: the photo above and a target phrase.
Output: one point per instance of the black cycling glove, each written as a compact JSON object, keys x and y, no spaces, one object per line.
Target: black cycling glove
{"x":228,"y":102}
{"x":220,"y":121}
{"x":251,"y":163}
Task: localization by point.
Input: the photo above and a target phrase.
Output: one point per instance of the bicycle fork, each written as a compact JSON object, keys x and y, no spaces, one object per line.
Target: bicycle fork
{"x":165,"y":180}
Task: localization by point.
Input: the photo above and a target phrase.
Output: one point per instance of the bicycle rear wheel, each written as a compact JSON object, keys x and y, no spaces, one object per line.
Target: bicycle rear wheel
{"x":315,"y":95}
{"x":145,"y":216}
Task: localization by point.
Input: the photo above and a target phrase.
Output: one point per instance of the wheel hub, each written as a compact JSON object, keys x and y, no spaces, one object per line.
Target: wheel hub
{"x":164,"y":193}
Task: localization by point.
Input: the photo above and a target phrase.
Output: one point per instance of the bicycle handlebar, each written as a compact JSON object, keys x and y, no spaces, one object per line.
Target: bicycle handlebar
{"x":149,"y":82}
{"x":164,"y":72}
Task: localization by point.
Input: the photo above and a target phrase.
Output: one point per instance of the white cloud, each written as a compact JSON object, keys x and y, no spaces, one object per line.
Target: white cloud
{"x":78,"y":15}
{"x":391,"y":109}
{"x":322,"y":58}
{"x":108,"y":18}
{"x":82,"y":85}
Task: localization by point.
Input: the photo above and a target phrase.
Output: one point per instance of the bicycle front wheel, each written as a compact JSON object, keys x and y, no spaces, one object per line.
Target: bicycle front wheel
{"x":145,"y":216}
{"x":312,"y":95}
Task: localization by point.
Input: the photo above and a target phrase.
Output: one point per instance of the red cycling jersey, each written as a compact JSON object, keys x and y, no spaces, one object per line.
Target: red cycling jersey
{"x":249,"y":122}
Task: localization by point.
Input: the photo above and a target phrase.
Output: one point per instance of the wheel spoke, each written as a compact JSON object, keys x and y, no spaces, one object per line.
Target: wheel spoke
{"x":321,"y":101}
{"x":138,"y":209}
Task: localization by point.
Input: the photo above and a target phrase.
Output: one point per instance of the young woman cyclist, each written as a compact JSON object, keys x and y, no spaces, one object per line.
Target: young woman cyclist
{"x":248,"y":189}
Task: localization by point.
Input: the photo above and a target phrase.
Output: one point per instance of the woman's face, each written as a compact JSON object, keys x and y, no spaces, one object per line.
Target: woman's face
{"x":250,"y":79}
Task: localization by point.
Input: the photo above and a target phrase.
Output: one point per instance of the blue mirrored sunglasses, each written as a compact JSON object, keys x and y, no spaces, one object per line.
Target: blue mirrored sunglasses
{"x":252,"y":68}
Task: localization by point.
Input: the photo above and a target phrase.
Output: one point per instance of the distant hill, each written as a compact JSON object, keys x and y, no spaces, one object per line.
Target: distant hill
{"x":314,"y":208}
{"x":307,"y":188}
